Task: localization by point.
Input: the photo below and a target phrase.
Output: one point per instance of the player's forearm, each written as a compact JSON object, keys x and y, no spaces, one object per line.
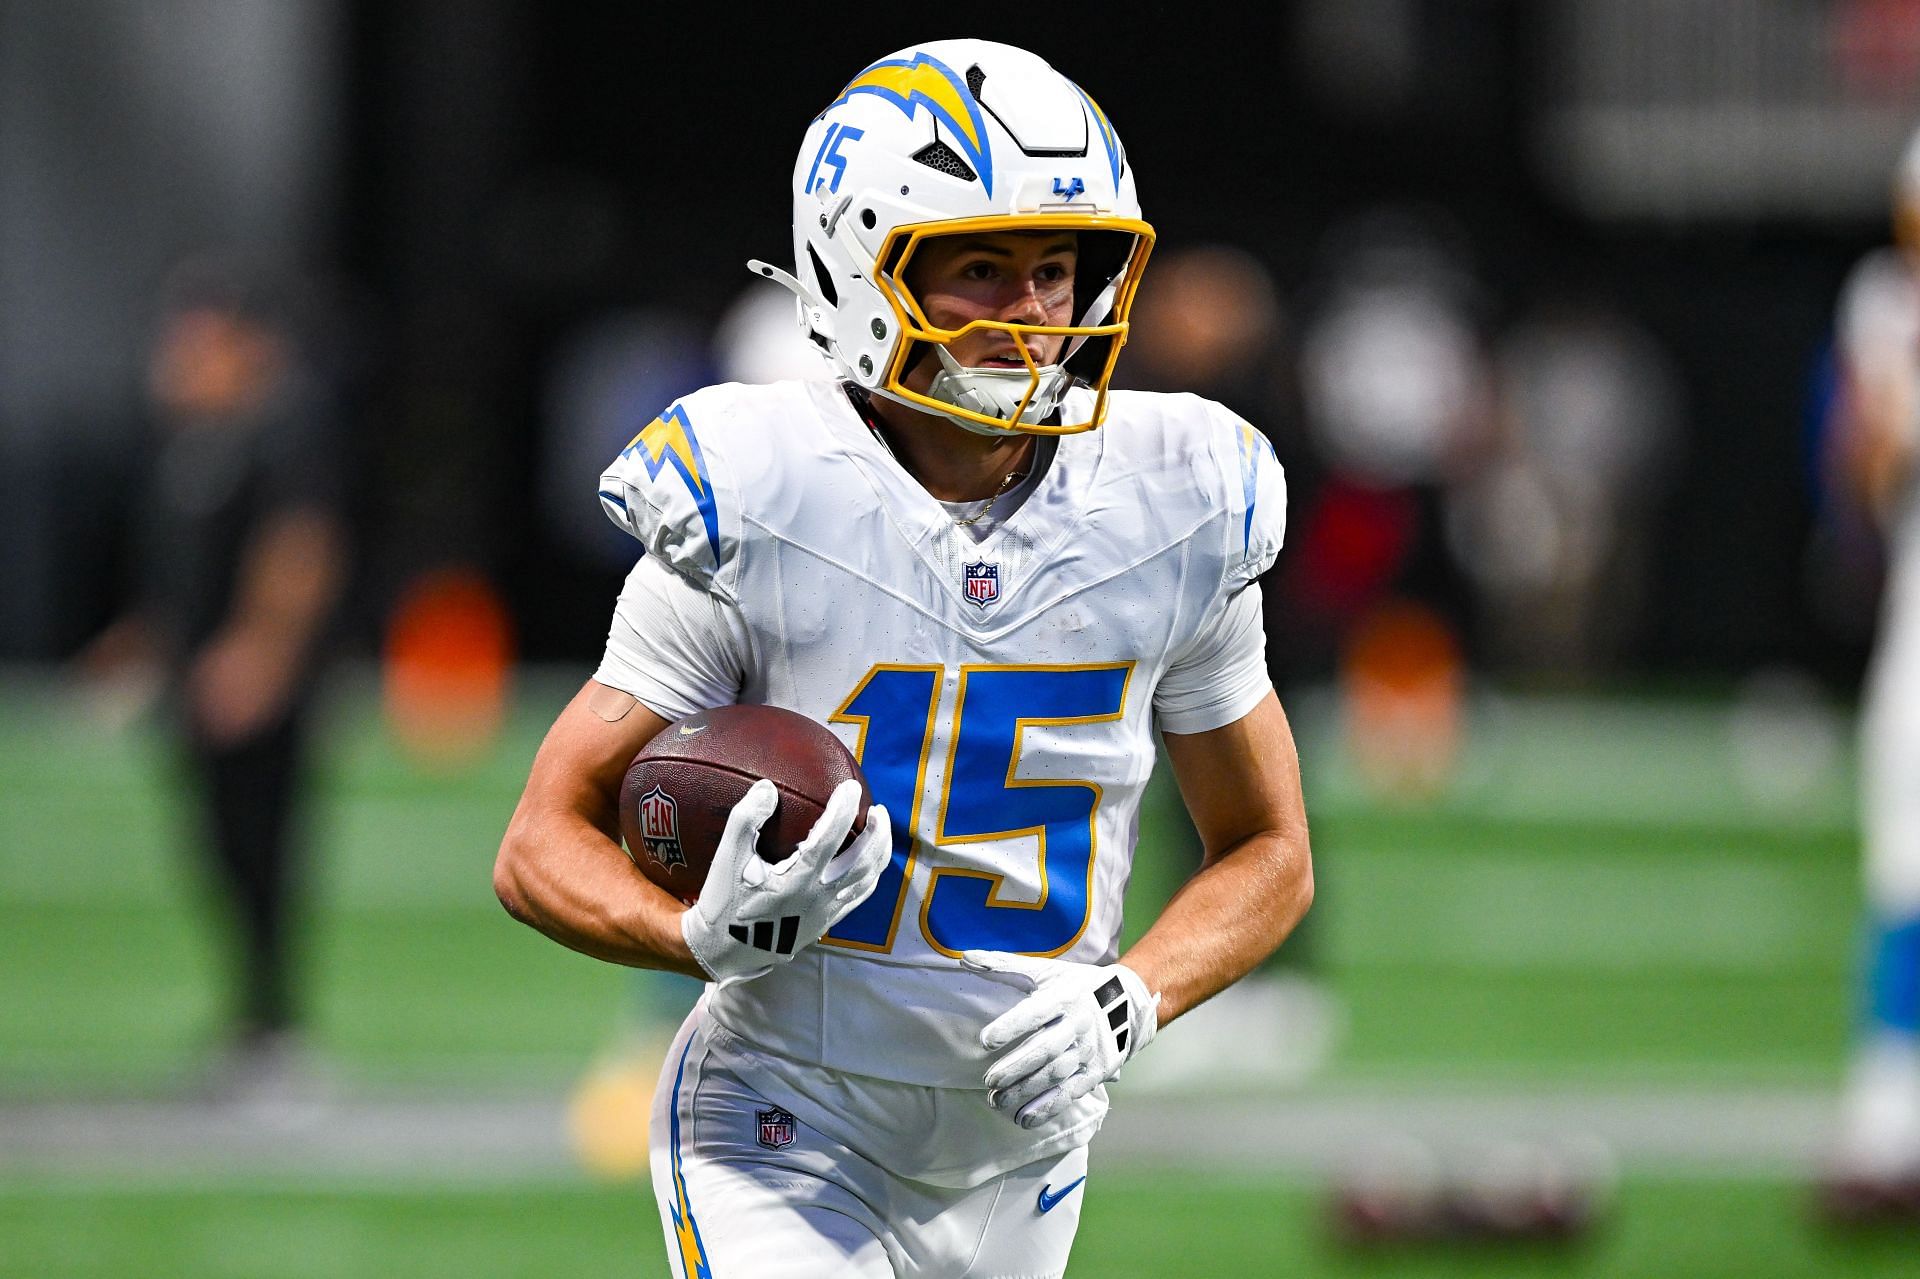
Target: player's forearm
{"x":559,"y":874}
{"x":128,"y":641}
{"x":1225,"y":920}
{"x":1886,"y":469}
{"x":291,"y":579}
{"x":1877,"y":430}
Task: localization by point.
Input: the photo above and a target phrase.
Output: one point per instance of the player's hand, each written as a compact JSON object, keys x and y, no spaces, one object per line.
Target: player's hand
{"x":1078,"y":1024}
{"x":239,"y":684}
{"x":753,"y":914}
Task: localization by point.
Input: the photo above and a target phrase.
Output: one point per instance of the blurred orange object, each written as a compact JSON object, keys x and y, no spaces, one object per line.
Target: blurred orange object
{"x":1403,"y":683}
{"x":449,"y":652}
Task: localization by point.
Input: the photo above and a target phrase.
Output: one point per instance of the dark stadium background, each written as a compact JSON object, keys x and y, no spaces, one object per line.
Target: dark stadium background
{"x":681,"y":130}
{"x":499,"y":172}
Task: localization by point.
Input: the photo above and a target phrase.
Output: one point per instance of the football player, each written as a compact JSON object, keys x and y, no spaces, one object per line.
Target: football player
{"x":1878,"y":434}
{"x":998,"y":580}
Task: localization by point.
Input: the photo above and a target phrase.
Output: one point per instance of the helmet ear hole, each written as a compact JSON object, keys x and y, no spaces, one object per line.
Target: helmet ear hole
{"x":1103,"y":256}
{"x":822,"y":278}
{"x":867,"y":219}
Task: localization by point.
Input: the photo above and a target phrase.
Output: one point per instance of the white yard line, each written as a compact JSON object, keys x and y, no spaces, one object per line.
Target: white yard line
{"x":1762,"y":1132}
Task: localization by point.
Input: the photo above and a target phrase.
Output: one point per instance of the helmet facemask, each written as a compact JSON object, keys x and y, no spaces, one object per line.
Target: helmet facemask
{"x":1111,"y":253}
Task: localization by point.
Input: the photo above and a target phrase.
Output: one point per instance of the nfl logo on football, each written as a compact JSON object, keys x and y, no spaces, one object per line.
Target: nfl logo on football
{"x":660,"y":828}
{"x":776,"y":1128}
{"x":982,"y":582}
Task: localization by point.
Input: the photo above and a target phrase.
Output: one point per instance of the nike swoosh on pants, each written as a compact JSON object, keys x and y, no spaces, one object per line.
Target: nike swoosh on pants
{"x":1048,"y":1202}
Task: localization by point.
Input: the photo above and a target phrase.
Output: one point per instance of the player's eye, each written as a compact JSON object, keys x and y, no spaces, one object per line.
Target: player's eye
{"x":981,"y":269}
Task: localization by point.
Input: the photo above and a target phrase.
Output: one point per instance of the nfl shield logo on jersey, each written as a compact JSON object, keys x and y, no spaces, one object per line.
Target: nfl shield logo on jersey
{"x":982,"y":581}
{"x":660,"y":828}
{"x":776,"y":1128}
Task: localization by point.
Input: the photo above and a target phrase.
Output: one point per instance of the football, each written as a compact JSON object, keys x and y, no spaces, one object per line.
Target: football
{"x":680,"y":788}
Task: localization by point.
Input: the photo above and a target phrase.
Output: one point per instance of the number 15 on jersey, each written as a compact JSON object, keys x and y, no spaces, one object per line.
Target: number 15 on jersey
{"x":897,"y":710}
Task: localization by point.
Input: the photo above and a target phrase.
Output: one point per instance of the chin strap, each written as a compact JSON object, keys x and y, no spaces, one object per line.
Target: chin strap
{"x":997,"y":392}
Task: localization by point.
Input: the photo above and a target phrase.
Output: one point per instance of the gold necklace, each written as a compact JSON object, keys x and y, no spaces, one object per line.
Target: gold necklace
{"x":997,"y":493}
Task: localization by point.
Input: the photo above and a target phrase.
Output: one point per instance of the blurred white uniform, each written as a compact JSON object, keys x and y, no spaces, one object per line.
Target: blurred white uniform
{"x":1878,"y":341}
{"x":1879,"y":337}
{"x":1002,"y":693}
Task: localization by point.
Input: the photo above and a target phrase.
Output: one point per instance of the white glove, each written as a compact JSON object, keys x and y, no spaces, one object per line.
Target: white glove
{"x":1077,"y":1026}
{"x":753,"y":914}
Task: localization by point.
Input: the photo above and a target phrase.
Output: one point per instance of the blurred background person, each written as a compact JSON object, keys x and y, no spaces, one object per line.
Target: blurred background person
{"x":1554,"y":521}
{"x":1876,"y":432}
{"x":1396,"y":393}
{"x":760,"y":339}
{"x":240,"y":559}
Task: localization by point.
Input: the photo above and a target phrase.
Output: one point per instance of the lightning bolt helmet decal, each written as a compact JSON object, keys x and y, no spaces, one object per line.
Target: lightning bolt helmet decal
{"x":925,"y":81}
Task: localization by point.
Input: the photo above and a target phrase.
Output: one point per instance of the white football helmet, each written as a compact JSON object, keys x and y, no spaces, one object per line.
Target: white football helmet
{"x":951,"y":137}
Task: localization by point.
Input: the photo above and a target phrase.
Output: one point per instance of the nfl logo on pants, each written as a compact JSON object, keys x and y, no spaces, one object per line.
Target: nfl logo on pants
{"x":982,"y":581}
{"x":776,"y":1128}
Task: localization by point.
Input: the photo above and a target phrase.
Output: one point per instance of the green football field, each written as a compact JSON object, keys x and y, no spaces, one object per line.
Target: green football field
{"x":1641,"y":901}
{"x":1135,"y":1226}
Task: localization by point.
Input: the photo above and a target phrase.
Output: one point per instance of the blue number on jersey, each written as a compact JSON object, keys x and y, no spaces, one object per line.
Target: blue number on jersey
{"x":894,"y":708}
{"x":984,"y":800}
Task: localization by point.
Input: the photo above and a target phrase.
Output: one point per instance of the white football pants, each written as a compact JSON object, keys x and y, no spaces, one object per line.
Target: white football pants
{"x":746,"y":1191}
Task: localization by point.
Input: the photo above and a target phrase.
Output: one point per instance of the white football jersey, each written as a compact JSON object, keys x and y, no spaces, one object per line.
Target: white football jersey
{"x":1878,"y":338}
{"x":1001,"y":694}
{"x":1877,"y":335}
